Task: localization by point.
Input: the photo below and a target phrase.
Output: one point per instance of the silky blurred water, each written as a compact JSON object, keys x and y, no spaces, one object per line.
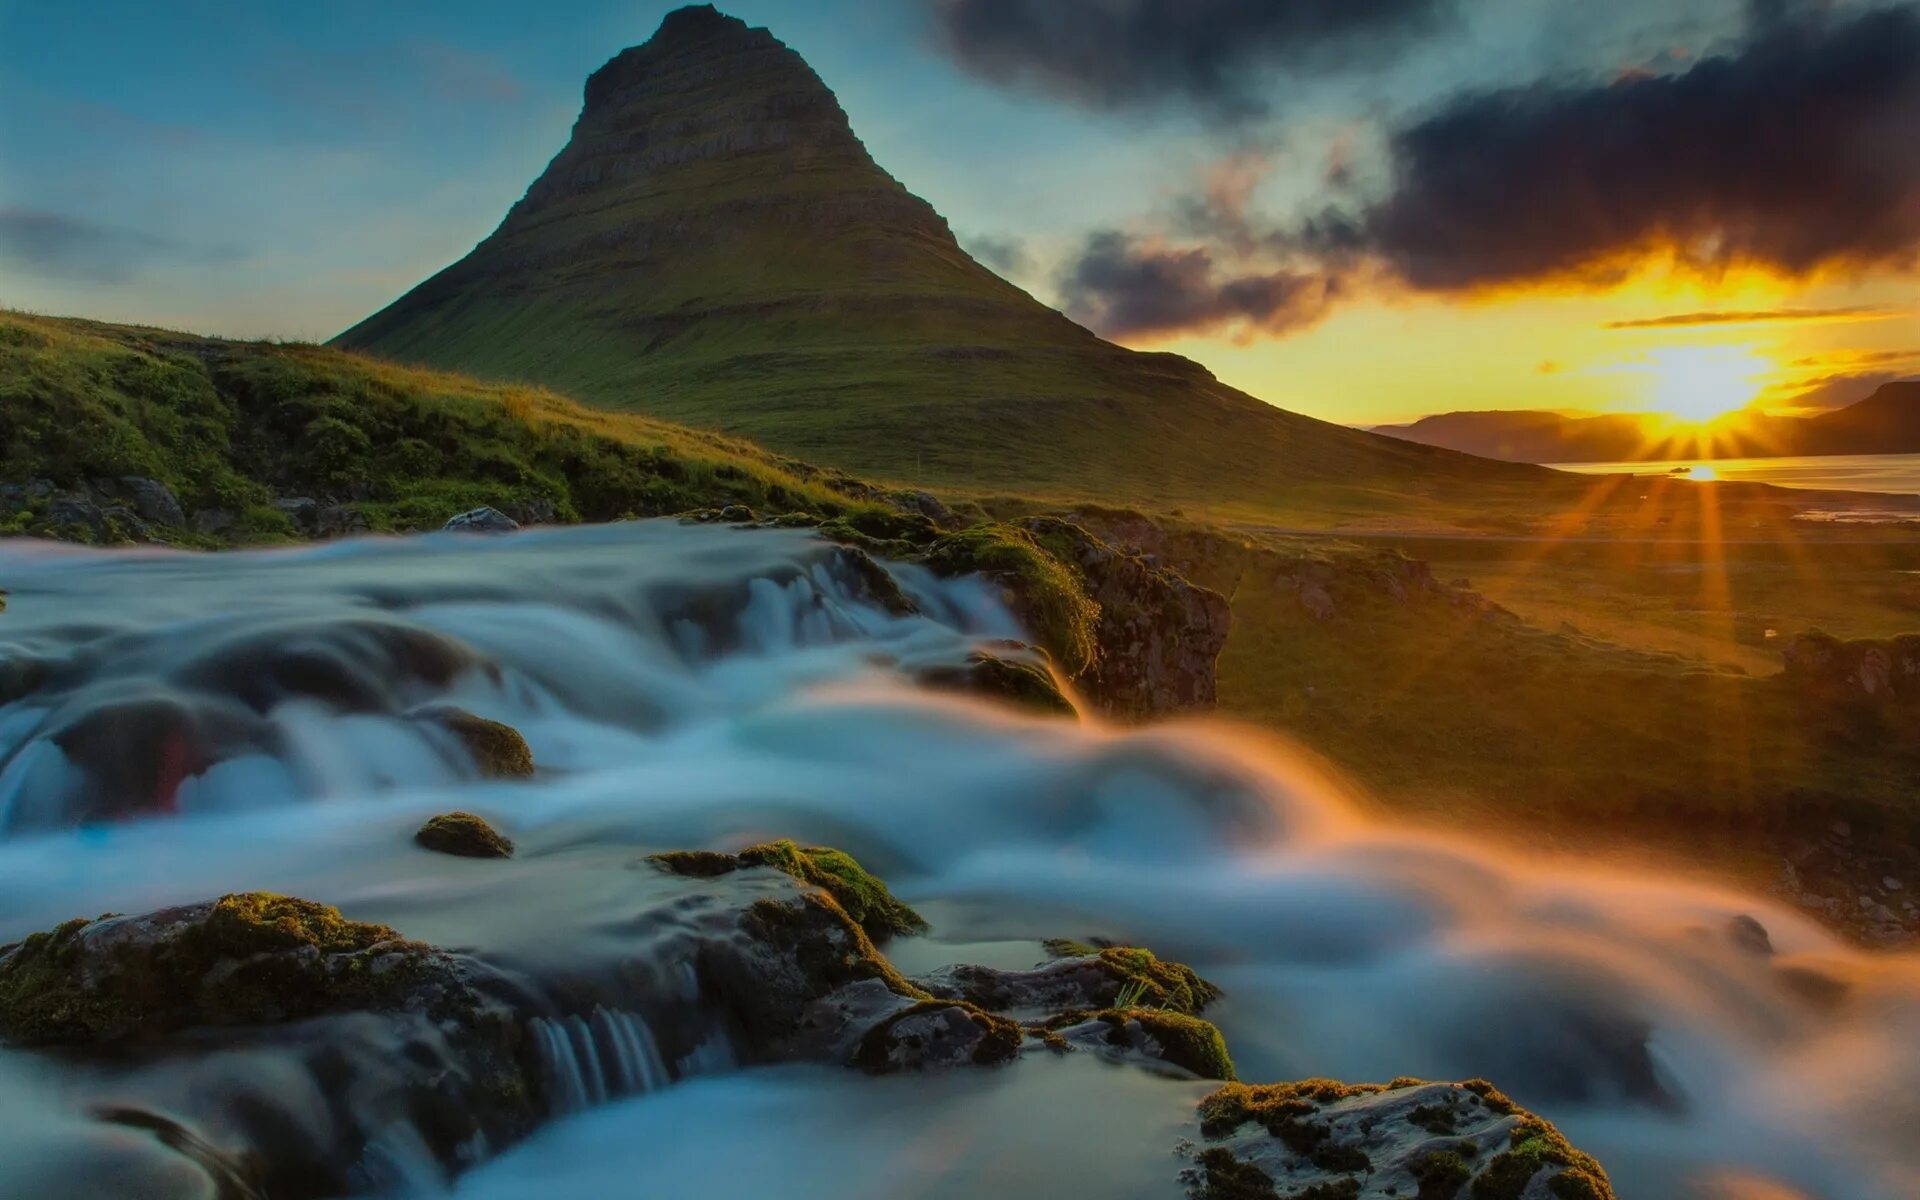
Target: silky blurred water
{"x":696,"y":686}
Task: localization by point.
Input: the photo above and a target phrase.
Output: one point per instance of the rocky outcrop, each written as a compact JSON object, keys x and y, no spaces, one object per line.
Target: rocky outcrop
{"x":1866,"y":887}
{"x":481,"y":520}
{"x":463,"y":835}
{"x":1407,"y":1140}
{"x":1159,"y":636}
{"x":100,"y":512}
{"x":1884,"y":672}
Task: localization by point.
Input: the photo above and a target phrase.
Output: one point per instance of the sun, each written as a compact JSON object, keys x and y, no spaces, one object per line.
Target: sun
{"x":1699,"y":383}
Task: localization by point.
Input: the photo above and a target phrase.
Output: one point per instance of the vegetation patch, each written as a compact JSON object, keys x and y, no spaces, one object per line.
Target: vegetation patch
{"x":248,"y":958}
{"x":464,"y":835}
{"x":1160,"y":984}
{"x":855,"y":890}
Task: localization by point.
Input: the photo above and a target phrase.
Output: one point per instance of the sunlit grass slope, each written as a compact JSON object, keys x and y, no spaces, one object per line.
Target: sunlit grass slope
{"x":230,"y":425}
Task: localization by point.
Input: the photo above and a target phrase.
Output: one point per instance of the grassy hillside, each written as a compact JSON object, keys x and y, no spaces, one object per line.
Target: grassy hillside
{"x":715,"y":246}
{"x":233,"y":425}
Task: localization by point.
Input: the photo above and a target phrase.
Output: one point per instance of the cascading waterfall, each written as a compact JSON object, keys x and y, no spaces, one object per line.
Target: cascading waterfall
{"x":177,"y":726}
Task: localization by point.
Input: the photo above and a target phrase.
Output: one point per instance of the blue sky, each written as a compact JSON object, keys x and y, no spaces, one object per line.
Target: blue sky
{"x":283,"y":169}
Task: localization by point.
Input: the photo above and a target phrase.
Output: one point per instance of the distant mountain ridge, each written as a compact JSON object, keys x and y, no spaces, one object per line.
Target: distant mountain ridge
{"x":1887,"y":422}
{"x":714,"y":246}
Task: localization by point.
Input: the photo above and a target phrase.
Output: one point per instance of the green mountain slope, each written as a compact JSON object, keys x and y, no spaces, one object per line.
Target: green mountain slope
{"x":715,"y":246}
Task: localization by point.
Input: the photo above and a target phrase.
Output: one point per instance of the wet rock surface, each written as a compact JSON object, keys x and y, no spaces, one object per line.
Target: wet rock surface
{"x":481,"y":520}
{"x":1408,"y":1140}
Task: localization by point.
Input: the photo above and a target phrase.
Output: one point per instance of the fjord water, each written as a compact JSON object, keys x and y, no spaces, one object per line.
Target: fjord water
{"x":686,"y":685}
{"x":1895,"y":473}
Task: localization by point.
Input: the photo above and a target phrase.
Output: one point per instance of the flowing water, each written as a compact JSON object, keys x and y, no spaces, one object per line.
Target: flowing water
{"x":179,"y":726}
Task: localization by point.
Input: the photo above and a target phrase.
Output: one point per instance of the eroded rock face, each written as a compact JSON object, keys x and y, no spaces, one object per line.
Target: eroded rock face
{"x":1883,"y":671}
{"x":1159,"y":635}
{"x":1408,"y":1140}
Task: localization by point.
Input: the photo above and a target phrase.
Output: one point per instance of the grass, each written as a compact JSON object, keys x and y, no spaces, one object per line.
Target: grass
{"x":231,"y":425}
{"x":1545,"y":734}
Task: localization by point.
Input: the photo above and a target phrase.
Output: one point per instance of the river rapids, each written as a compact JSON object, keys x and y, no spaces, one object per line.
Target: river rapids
{"x":178,"y":726}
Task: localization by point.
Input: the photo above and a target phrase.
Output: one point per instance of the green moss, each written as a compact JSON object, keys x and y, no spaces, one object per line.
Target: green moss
{"x":1224,"y":1177}
{"x":1165,"y":984}
{"x":857,"y":892}
{"x":1441,"y":1175}
{"x":464,"y":835}
{"x":1185,"y":1041}
{"x":498,"y":749}
{"x":1051,"y":594}
{"x":826,"y":944}
{"x":247,"y":958}
{"x":999,"y":1043}
{"x":1536,"y":1146}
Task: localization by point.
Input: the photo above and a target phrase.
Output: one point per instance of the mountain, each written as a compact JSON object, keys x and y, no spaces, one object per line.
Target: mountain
{"x":1528,"y":436}
{"x":714,"y":246}
{"x":1887,"y":422}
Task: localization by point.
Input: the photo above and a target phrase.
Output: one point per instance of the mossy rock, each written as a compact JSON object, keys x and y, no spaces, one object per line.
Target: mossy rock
{"x":1161,"y":984}
{"x":244,"y":959}
{"x":1408,"y":1138}
{"x":1049,"y":592}
{"x":464,"y":835}
{"x":1026,"y":685}
{"x":1185,"y":1041}
{"x":824,"y":944}
{"x":857,"y":892}
{"x":498,"y":749}
{"x":938,"y":1033}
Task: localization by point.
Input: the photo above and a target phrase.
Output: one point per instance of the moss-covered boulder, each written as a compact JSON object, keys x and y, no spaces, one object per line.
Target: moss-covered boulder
{"x":1190,"y":1043}
{"x":933,"y":1034}
{"x":464,"y":835}
{"x":858,"y":893}
{"x":1408,"y":1138}
{"x":1090,"y":979}
{"x":246,"y":959}
{"x":497,"y":749}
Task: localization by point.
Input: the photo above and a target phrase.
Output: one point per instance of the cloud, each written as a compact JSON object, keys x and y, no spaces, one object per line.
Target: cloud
{"x":1793,"y":150}
{"x":1858,"y":312}
{"x":1123,"y":287}
{"x":56,"y":246}
{"x":1216,"y":55}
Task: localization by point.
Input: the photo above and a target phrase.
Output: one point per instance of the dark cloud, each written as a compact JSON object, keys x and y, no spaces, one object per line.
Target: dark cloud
{"x":1006,"y":255}
{"x":1121,"y":287}
{"x":1216,"y":54}
{"x":55,"y":246}
{"x":1858,"y":312}
{"x":1795,"y":150}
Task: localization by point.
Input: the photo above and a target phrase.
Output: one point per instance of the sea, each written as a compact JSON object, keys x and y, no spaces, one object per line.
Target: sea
{"x":1894,"y":473}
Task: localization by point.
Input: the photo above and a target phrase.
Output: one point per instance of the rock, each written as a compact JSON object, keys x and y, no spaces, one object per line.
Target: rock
{"x":858,"y":893}
{"x":1017,"y":680}
{"x":929,"y":506}
{"x":1158,"y":1035}
{"x":1884,"y":673}
{"x":75,"y":518}
{"x":1159,"y":636}
{"x":1891,"y":884}
{"x":1842,"y":830}
{"x":244,"y":959}
{"x":482,"y":520}
{"x":339,"y":520}
{"x":932,"y":1034}
{"x":153,"y":500}
{"x":497,"y":749}
{"x":537,"y":511}
{"x":1407,"y":1140}
{"x":213,"y":522}
{"x":464,"y":835}
{"x":299,"y":511}
{"x":1749,"y":935}
{"x":1093,"y":980}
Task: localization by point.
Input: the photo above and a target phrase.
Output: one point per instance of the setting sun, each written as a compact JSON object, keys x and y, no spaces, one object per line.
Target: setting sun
{"x":1700,"y":383}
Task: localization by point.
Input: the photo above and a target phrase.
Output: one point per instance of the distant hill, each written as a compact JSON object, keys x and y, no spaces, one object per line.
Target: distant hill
{"x":714,"y":246}
{"x":1887,"y":422}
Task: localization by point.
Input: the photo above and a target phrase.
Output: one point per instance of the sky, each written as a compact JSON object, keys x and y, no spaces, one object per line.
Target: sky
{"x":1364,"y":210}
